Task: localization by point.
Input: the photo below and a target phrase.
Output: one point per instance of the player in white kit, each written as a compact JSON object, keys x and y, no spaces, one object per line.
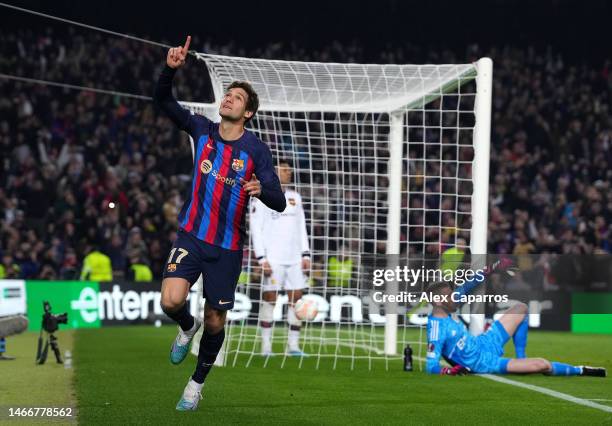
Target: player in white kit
{"x":280,"y":242}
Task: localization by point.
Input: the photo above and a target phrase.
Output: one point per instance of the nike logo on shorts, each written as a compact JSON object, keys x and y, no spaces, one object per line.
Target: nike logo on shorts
{"x":224,"y":302}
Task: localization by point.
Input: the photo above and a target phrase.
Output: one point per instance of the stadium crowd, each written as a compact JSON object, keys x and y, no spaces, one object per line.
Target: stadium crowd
{"x":84,"y":171}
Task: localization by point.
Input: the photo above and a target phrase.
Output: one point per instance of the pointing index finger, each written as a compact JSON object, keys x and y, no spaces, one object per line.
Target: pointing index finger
{"x":186,"y":46}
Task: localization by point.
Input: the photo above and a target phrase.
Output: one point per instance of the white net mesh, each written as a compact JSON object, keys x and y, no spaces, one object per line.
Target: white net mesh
{"x":332,"y":121}
{"x":312,"y":86}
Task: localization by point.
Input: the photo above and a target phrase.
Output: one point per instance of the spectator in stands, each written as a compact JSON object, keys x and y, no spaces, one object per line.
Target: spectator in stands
{"x":136,"y":244}
{"x":96,"y":266}
{"x":340,"y":269}
{"x":115,"y":251}
{"x":69,"y":267}
{"x":8,"y":268}
{"x":65,"y":156}
{"x":138,"y":270}
{"x":452,"y":257}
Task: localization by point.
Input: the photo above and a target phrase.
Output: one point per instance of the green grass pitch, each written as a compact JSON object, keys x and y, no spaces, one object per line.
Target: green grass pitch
{"x":122,"y":375}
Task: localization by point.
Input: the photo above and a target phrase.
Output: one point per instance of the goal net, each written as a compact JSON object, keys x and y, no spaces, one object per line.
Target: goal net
{"x":389,"y":160}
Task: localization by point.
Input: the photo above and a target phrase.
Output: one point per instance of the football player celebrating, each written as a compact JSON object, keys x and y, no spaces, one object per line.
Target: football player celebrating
{"x":230,"y":165}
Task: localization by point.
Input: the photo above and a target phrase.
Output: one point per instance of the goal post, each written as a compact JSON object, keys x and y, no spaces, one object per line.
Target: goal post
{"x":394,"y":220}
{"x":388,"y":159}
{"x":480,"y":177}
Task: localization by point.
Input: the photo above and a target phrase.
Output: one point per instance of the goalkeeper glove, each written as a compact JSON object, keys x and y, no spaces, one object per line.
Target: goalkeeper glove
{"x":457,"y":370}
{"x":502,"y":264}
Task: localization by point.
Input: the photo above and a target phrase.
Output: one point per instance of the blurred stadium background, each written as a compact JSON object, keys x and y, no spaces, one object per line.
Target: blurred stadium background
{"x":67,"y":154}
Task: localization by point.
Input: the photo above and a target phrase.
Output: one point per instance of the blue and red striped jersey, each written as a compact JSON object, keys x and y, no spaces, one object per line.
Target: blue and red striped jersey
{"x":215,"y":207}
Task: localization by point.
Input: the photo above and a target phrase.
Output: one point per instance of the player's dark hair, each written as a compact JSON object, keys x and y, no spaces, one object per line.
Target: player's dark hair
{"x":252,"y":102}
{"x":437,"y":287}
{"x":285,"y":161}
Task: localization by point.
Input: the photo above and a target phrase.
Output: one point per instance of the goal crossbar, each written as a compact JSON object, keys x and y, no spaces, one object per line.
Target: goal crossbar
{"x":334,"y":87}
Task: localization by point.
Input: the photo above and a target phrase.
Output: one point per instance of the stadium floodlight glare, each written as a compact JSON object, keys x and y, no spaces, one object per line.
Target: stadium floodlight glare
{"x":389,"y":159}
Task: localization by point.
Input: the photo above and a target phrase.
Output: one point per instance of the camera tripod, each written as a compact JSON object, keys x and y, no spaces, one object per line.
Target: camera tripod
{"x":43,"y":349}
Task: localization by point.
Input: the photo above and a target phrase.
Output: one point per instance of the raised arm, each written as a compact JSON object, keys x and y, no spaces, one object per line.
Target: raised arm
{"x":469,"y":285}
{"x":499,"y":265}
{"x":163,"y":97}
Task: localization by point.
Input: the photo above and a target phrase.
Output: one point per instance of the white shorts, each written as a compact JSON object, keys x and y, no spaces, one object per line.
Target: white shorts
{"x":285,"y":277}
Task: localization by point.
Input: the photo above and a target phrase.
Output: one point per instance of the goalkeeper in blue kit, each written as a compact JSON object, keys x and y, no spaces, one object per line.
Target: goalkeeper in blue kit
{"x":448,"y":338}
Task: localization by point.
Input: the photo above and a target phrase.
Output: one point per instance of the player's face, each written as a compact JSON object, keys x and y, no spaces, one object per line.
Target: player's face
{"x":233,"y":105}
{"x":284,"y":174}
{"x":448,"y":305}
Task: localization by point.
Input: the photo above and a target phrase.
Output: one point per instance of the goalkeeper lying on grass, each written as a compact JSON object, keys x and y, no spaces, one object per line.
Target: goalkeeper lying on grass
{"x":448,"y":337}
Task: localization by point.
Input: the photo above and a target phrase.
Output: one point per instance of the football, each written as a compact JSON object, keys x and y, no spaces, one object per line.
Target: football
{"x":305,"y":310}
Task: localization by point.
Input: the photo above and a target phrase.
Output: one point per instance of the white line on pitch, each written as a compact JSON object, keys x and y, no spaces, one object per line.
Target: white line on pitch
{"x":549,"y":392}
{"x":546,"y":391}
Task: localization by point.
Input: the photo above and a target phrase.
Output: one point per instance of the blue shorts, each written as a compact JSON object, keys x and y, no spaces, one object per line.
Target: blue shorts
{"x":220,"y":268}
{"x":492,"y":348}
{"x":495,"y":338}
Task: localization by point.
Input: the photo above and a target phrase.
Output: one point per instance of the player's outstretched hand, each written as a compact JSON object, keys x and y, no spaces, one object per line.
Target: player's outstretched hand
{"x":177,"y":55}
{"x":252,"y":187}
{"x":457,"y":370}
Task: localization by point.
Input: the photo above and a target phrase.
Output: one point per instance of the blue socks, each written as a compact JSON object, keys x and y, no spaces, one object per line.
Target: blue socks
{"x":561,"y":369}
{"x":520,"y":337}
{"x":520,"y":344}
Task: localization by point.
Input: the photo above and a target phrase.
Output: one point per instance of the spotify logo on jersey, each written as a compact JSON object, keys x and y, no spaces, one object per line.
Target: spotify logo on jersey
{"x":206,"y":167}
